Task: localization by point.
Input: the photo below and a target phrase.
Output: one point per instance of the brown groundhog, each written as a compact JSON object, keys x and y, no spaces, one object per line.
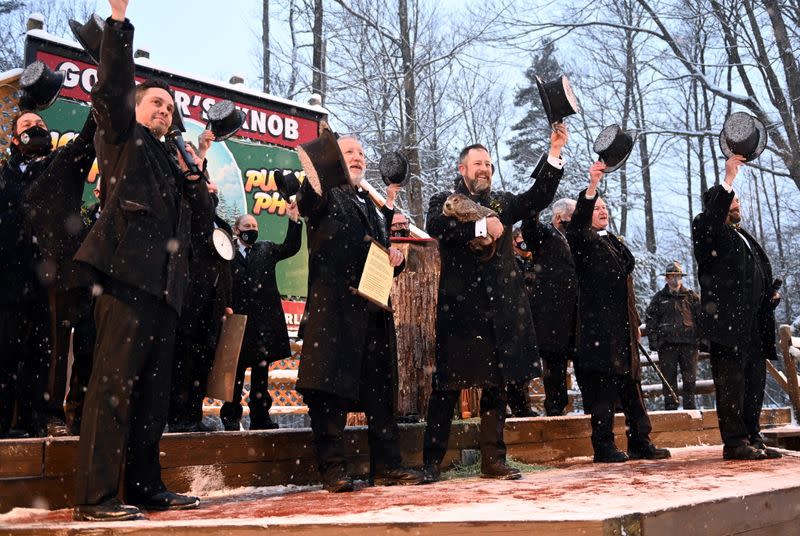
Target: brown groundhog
{"x":464,"y":209}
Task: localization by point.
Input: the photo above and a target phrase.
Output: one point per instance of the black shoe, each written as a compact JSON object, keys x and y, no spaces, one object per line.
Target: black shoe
{"x":500,"y":471}
{"x":340,"y":484}
{"x":167,"y":500}
{"x":430,"y":474}
{"x":772,"y":454}
{"x":231,"y":426}
{"x":110,"y":510}
{"x":610,"y":455}
{"x":743,"y":452}
{"x":649,"y":452}
{"x":402,"y":476}
{"x":13,"y":433}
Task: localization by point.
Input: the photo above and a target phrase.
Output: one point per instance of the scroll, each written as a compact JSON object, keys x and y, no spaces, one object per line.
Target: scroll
{"x":376,"y":280}
{"x":226,"y":358}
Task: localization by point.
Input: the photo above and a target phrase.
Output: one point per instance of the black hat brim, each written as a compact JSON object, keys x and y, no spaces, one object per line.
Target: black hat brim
{"x":614,"y":166}
{"x":763,"y":138}
{"x":229,"y":128}
{"x":92,"y":49}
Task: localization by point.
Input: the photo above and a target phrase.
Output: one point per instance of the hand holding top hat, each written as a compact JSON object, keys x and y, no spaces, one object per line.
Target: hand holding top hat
{"x":89,"y":35}
{"x":39,"y":87}
{"x":614,"y":145}
{"x":558,"y":99}
{"x":744,"y":135}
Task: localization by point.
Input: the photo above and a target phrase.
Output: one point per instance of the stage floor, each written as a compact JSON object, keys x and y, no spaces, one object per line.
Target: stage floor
{"x":694,"y":492}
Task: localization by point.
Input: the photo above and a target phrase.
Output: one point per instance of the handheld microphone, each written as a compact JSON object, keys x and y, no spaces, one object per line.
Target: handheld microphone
{"x":777,"y":284}
{"x":176,"y":137}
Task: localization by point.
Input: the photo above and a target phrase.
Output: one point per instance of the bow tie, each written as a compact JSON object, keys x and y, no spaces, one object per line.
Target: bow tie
{"x":735,"y":226}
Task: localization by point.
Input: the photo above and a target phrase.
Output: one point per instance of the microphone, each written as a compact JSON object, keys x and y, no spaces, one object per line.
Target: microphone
{"x":777,"y":284}
{"x":175,"y":136}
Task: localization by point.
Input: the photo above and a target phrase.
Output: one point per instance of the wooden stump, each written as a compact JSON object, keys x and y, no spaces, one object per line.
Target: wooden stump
{"x":414,"y":297}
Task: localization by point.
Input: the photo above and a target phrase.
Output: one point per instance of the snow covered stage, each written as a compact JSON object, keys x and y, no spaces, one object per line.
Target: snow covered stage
{"x":695,"y":492}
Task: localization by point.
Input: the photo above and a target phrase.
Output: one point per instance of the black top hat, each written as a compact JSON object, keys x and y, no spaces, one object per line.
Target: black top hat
{"x":394,"y":168}
{"x":744,"y":135}
{"x":323,"y":162}
{"x":40,"y":87}
{"x":224,"y":120}
{"x":89,"y":35}
{"x":287,"y":183}
{"x":614,"y":145}
{"x":558,"y":99}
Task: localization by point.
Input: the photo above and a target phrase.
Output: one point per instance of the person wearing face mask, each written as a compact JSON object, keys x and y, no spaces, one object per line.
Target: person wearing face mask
{"x":670,"y":319}
{"x":399,"y":227}
{"x":737,"y":316}
{"x":139,"y":252}
{"x":608,"y":330}
{"x":484,"y":332}
{"x":554,"y":300}
{"x":256,"y":294}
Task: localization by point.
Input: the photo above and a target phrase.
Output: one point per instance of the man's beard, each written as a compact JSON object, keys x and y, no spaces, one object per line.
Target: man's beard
{"x":734,"y":217}
{"x":479,"y":184}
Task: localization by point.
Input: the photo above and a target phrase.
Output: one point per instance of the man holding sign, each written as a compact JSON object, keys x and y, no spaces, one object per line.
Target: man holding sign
{"x":348,"y":361}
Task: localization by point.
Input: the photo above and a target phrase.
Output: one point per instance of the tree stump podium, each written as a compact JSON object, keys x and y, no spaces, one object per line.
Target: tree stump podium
{"x":414,"y":297}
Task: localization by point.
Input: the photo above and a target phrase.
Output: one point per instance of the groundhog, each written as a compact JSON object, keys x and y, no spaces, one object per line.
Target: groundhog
{"x":464,"y":209}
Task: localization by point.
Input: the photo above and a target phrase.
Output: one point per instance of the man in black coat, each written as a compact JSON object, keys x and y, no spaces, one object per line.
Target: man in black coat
{"x":139,"y":251}
{"x":670,"y":319}
{"x":607,"y":358}
{"x":554,"y":300}
{"x":737,"y":318}
{"x":484,"y":331}
{"x":349,"y":361}
{"x":256,"y":294}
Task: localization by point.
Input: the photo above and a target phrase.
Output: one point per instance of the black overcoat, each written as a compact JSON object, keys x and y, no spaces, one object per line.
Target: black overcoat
{"x":339,"y":227}
{"x":484,"y":331}
{"x":255,"y":293}
{"x":554,"y":289}
{"x":734,"y":307}
{"x":142,"y":240}
{"x":605,"y":341}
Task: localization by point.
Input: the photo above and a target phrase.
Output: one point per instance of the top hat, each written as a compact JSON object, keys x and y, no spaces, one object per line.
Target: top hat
{"x":674,"y":268}
{"x":613,"y":145}
{"x":89,"y":35}
{"x":558,"y":99}
{"x":287,"y":184}
{"x":40,"y":87}
{"x":323,"y":162}
{"x":394,"y":168}
{"x":743,"y":135}
{"x":224,"y":120}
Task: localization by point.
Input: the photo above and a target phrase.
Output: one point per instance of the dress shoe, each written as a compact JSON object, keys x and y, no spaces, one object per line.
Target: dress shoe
{"x":743,"y":452}
{"x":269,"y":424}
{"x":110,"y":510}
{"x":167,"y":500}
{"x":772,"y":454}
{"x":402,"y":476}
{"x":54,"y":427}
{"x":500,"y":471}
{"x":610,"y":455}
{"x":430,"y":474}
{"x":340,"y":484}
{"x":648,"y":452}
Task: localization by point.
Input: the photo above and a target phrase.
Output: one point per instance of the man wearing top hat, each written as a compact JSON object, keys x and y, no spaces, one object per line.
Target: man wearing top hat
{"x":138,"y":250}
{"x":349,"y":360}
{"x":737,"y":299}
{"x":607,"y":360}
{"x":484,"y":331}
{"x":670,"y":319}
{"x":554,"y":299}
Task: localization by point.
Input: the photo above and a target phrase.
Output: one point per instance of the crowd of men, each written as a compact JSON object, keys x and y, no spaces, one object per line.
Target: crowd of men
{"x":137,"y":283}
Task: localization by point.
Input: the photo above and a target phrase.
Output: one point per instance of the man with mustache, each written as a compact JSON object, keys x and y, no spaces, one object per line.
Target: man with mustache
{"x":607,"y":360}
{"x":349,"y":360}
{"x":484,"y":331}
{"x":736,"y":319}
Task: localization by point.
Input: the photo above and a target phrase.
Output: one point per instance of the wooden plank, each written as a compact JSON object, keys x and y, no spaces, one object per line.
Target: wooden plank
{"x":21,"y":458}
{"x":663,"y":421}
{"x":778,"y":375}
{"x":792,"y":384}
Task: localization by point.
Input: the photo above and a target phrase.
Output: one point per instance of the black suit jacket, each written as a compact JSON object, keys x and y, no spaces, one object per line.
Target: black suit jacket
{"x":734,"y":305}
{"x":256,"y":294}
{"x":478,"y":298}
{"x":142,"y":240}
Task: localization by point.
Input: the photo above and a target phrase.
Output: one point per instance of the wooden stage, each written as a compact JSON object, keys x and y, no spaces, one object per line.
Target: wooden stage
{"x":249,"y":481}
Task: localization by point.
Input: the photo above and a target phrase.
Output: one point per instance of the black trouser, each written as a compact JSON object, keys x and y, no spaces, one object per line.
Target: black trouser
{"x":126,"y":405}
{"x":600,"y":392}
{"x":15,"y":330}
{"x":193,"y":359}
{"x":670,"y":356}
{"x":83,"y":341}
{"x":517,"y":397}
{"x":739,"y":378}
{"x":259,"y":401}
{"x":440,"y":415}
{"x":328,"y":412}
{"x":554,"y":378}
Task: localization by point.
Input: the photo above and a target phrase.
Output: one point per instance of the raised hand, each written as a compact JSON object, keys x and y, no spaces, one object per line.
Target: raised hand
{"x":558,"y":139}
{"x":292,"y":211}
{"x":391,"y":195}
{"x":595,"y":174}
{"x":118,"y":9}
{"x":732,"y":165}
{"x":494,"y":227}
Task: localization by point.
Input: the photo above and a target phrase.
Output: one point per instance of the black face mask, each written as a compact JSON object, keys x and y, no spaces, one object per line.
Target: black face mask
{"x":401,"y":233}
{"x":248,"y":237}
{"x":35,"y":141}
